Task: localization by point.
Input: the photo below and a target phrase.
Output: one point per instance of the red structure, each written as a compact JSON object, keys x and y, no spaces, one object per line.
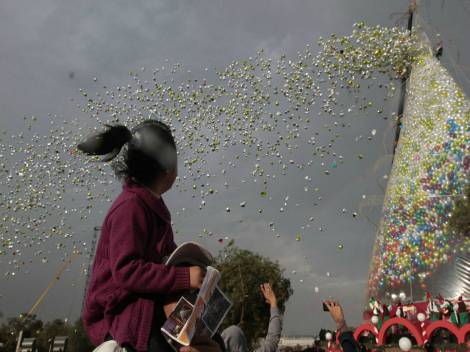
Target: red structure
{"x":364,"y":327}
{"x":412,"y":324}
{"x":396,"y":321}
{"x":411,"y":310}
{"x":460,"y":333}
{"x":416,"y":332}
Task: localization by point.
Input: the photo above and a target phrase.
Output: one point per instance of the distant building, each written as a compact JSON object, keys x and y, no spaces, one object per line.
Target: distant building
{"x":292,"y":342}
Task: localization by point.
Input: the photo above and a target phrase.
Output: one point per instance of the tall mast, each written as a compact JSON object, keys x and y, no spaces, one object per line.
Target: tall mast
{"x":96,"y":232}
{"x":401,"y":106}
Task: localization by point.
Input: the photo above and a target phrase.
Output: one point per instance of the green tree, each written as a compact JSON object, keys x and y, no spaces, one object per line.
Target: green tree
{"x":78,"y":340}
{"x":50,"y":331}
{"x":30,"y":326}
{"x":460,"y":219}
{"x":242,"y":273}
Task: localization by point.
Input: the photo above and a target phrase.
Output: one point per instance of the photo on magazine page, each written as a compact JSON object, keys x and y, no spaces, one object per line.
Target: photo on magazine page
{"x":191,"y":296}
{"x":189,"y":329}
{"x":201,"y":328}
{"x":180,"y":315}
{"x":217,"y":309}
{"x":210,"y":282}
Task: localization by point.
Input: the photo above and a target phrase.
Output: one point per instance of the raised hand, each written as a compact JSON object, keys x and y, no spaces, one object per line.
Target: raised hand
{"x":337,"y":314}
{"x":269,"y":295}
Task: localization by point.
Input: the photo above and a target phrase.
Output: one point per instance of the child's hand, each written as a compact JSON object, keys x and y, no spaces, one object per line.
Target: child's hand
{"x":196,"y":276}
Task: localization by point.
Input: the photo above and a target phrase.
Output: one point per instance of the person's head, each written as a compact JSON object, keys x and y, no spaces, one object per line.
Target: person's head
{"x":149,"y":154}
{"x":429,"y":347}
{"x":447,"y":309}
{"x":234,"y":339}
{"x":441,"y":299}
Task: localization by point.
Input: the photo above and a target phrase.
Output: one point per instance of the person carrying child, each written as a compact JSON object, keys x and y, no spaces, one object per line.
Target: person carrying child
{"x":129,"y":279}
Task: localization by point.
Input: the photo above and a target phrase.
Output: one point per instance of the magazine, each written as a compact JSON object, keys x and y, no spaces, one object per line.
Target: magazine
{"x":198,"y":312}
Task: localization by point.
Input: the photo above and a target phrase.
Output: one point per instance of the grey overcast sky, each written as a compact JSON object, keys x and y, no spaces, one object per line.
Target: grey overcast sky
{"x":52,"y":49}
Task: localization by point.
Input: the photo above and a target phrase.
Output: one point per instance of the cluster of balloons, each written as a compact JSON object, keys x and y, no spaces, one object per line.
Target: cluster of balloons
{"x":430,"y":172}
{"x":41,"y":175}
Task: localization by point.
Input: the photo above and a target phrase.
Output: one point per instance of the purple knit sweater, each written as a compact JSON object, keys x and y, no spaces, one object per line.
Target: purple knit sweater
{"x":127,"y":277}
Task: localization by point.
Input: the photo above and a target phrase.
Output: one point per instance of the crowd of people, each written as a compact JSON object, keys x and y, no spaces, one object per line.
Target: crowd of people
{"x":453,"y":311}
{"x":133,"y":287}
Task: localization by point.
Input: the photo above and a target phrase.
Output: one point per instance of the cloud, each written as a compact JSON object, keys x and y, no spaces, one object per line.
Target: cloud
{"x":42,"y":42}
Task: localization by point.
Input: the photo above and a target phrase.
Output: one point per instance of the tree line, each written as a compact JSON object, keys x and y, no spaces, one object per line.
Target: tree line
{"x":45,"y":333}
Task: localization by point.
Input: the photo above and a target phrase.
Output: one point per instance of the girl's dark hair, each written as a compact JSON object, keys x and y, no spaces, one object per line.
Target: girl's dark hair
{"x":148,"y":150}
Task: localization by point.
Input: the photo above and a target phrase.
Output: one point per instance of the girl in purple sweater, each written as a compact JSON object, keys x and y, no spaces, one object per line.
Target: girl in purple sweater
{"x":128,"y":280}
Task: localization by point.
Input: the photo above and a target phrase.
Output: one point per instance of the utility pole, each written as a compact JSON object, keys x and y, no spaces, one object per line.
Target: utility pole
{"x":96,"y":232}
{"x":20,"y":340}
{"x":401,"y":106}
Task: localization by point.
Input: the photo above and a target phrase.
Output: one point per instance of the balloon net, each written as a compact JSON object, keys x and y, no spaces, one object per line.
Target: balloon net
{"x":415,"y":249}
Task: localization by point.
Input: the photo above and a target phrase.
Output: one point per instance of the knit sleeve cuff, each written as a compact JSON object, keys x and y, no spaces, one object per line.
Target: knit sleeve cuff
{"x":182,"y":279}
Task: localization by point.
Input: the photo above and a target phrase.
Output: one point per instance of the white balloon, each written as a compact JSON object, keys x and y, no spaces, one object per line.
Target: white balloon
{"x":405,"y":343}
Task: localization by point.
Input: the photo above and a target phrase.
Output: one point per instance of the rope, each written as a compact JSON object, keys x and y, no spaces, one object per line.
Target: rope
{"x":40,"y":299}
{"x":52,"y":283}
{"x":73,"y":299}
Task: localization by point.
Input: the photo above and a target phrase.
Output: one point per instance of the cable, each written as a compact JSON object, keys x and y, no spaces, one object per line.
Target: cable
{"x":40,"y":299}
{"x":73,"y":299}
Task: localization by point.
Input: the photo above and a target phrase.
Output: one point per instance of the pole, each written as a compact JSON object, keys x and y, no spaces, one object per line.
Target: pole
{"x":401,"y":106}
{"x":20,"y":340}
{"x":96,"y":232}
{"x":376,"y":333}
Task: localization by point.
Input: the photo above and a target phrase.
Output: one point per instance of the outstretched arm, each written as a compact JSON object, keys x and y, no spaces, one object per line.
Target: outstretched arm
{"x":274,"y":329}
{"x":337,"y":313}
{"x":345,"y":338}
